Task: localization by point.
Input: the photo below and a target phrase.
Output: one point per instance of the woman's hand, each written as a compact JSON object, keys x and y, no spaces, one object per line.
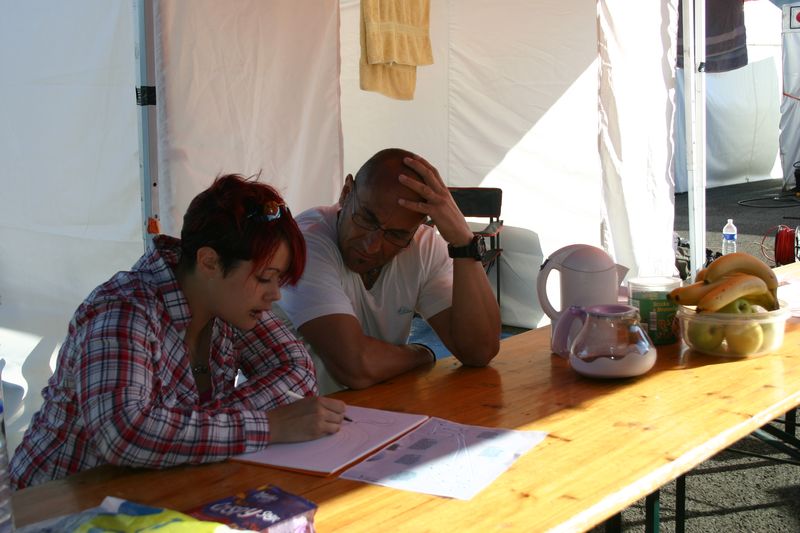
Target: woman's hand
{"x":307,"y":419}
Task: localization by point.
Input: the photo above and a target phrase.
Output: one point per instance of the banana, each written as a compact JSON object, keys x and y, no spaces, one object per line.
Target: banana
{"x":741,"y":262}
{"x":729,"y":289}
{"x":749,"y":264}
{"x":689,"y":294}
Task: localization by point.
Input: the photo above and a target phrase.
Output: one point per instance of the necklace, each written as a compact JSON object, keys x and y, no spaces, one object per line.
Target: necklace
{"x":201,"y":346}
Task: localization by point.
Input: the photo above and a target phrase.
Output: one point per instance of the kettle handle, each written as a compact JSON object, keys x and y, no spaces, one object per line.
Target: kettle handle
{"x":560,"y":343}
{"x":541,"y":289}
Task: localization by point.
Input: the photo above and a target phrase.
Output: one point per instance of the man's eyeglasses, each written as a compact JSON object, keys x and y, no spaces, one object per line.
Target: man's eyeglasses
{"x":395,"y":237}
{"x":268,"y":212}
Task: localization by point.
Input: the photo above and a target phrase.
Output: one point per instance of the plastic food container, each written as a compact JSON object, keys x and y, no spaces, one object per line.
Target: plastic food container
{"x":657,"y":313}
{"x":733,"y":334}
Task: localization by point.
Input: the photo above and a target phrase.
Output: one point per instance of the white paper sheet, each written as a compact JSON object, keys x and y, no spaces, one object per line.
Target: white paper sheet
{"x":789,"y":291}
{"x":446,"y":459}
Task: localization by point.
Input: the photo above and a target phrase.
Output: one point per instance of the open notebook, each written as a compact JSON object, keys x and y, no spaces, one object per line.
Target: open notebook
{"x":370,"y":430}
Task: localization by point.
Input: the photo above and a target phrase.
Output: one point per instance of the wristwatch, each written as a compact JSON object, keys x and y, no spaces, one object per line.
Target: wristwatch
{"x":475,"y":249}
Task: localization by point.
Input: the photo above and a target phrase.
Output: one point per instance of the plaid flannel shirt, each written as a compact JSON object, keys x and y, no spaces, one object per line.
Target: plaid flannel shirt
{"x":123,"y":392}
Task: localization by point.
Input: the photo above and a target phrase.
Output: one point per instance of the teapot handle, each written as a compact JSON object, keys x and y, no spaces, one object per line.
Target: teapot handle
{"x":541,"y":290}
{"x":561,"y":345}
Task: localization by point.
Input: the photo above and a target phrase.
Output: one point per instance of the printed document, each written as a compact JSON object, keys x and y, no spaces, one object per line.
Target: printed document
{"x":445,"y":458}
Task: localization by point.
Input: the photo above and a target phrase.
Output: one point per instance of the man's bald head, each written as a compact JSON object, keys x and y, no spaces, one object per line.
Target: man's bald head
{"x":381,"y":171}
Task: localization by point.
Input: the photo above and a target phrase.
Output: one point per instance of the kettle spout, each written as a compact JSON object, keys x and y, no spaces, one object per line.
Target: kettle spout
{"x":621,"y":271}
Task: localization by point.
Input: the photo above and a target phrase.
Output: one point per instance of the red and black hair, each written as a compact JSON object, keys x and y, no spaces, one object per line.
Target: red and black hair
{"x":242,"y":220}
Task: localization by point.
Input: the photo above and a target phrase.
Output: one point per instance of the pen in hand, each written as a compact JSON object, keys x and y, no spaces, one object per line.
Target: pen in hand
{"x":294,"y":395}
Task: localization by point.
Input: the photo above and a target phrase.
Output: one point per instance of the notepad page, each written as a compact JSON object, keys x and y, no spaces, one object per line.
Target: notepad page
{"x":370,"y":430}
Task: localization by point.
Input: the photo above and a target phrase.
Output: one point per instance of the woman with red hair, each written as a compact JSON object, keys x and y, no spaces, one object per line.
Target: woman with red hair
{"x":146,"y":376}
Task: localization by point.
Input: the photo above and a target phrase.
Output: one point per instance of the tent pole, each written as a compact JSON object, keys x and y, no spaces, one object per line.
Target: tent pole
{"x":694,"y":95}
{"x":146,"y":100}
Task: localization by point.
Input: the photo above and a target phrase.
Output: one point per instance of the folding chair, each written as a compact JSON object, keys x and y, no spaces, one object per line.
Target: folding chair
{"x":484,"y":202}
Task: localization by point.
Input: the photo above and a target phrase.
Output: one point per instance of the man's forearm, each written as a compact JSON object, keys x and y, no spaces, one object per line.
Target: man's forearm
{"x":377,"y":362}
{"x":475,"y":317}
{"x":355,"y":359}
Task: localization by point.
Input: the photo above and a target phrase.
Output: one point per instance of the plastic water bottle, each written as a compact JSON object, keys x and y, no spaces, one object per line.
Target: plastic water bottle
{"x":729,"y":238}
{"x":6,"y":514}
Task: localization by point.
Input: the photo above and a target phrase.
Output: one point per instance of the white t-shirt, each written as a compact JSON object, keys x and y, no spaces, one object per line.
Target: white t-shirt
{"x":418,"y":279}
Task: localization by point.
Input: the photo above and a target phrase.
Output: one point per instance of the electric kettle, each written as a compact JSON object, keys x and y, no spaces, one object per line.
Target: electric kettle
{"x":588,"y":277}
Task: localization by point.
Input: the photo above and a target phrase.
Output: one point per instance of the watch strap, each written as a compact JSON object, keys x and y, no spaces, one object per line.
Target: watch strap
{"x":473,"y":250}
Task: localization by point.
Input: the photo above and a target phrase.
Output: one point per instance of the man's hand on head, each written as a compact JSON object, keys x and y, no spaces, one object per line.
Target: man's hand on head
{"x":437,"y":202}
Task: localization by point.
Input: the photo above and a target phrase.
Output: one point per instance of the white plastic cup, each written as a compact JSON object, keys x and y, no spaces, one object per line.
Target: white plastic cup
{"x":657,"y":314}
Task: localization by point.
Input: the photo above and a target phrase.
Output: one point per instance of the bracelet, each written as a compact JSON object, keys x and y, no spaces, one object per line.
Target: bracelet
{"x":427,"y":348}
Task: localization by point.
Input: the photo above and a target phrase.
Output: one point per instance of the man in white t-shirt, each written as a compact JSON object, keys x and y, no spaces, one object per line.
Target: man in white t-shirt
{"x":372,"y":263}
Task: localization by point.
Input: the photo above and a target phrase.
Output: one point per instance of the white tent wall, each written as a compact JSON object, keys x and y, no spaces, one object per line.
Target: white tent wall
{"x":243,"y":87}
{"x":70,"y":214}
{"x":512,"y":101}
{"x":637,"y":95}
{"x":247,"y":87}
{"x":742,"y":109}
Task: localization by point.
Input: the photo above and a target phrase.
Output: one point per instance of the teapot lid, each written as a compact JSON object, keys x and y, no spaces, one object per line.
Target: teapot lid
{"x":588,"y":259}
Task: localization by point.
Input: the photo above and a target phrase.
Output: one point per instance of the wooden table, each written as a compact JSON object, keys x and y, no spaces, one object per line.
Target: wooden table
{"x":610,"y":442}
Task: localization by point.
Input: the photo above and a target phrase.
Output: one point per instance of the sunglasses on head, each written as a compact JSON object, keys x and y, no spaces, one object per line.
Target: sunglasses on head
{"x":268,"y":212}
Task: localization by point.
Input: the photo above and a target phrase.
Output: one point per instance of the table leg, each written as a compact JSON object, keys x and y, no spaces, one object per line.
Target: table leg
{"x":652,"y":513}
{"x":680,"y":504}
{"x":789,"y":444}
{"x":614,"y":524}
{"x":790,"y":424}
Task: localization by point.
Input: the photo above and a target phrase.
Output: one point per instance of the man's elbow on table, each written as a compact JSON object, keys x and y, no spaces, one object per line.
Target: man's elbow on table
{"x":478,"y":354}
{"x":353,"y":380}
{"x":354,"y":375}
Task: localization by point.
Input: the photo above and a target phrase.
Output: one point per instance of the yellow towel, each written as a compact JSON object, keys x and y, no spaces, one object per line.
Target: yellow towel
{"x":394,"y":41}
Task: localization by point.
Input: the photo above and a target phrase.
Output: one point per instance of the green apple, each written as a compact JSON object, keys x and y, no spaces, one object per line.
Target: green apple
{"x":744,"y":339}
{"x":740,"y":305}
{"x":770,"y":331}
{"x":705,"y":337}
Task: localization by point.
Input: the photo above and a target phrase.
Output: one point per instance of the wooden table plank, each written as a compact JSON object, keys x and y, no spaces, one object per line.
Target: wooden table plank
{"x":610,"y":442}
